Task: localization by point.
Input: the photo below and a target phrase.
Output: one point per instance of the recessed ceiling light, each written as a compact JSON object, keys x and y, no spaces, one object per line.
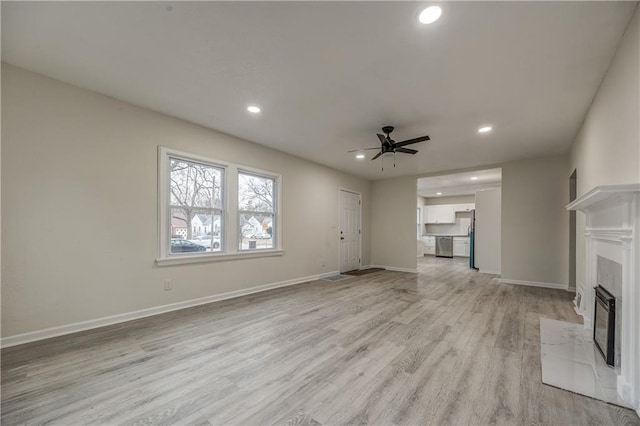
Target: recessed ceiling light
{"x":474,"y":178}
{"x":253,"y":109}
{"x":430,"y":15}
{"x":359,"y":156}
{"x":485,"y":129}
{"x":438,"y":193}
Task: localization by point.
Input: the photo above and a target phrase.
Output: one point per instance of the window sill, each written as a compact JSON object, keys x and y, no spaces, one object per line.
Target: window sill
{"x":169,"y":261}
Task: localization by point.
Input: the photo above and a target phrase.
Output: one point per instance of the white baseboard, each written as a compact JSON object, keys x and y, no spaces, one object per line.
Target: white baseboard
{"x":484,"y":271}
{"x":47,"y":333}
{"x":396,"y":269}
{"x":625,"y":392}
{"x":577,"y":308}
{"x":534,"y":284}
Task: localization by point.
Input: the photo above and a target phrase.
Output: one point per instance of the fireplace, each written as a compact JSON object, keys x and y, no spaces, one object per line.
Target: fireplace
{"x":612,"y":271}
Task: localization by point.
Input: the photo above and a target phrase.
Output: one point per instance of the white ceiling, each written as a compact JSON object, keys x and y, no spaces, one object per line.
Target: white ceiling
{"x":460,"y":183}
{"x":328,"y":75}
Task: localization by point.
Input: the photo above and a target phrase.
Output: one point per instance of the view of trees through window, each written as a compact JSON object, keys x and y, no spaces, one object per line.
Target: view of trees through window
{"x":195,"y":201}
{"x":256,"y":213}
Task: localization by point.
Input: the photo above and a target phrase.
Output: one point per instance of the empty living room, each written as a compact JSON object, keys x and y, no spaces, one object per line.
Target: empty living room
{"x":320,"y":213}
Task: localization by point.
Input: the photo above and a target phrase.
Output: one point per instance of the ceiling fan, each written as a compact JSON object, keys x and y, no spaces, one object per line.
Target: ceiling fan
{"x":389,"y":146}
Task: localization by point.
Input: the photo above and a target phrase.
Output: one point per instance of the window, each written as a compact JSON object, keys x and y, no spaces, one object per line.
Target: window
{"x":198,"y":223}
{"x":195,"y":199}
{"x":256,"y":211}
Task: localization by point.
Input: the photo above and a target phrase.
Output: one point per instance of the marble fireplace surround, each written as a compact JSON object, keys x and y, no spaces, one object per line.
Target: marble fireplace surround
{"x":612,"y":231}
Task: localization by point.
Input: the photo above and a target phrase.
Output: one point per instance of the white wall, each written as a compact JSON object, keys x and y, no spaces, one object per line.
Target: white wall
{"x":535,"y":224}
{"x":534,"y":233}
{"x":79,"y":208}
{"x":488,"y":234}
{"x":606,"y":150}
{"x":607,"y":147}
{"x":393,"y":228}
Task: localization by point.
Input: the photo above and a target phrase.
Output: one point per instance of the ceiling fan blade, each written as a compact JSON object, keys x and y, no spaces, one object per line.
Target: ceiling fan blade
{"x":377,"y":155}
{"x":363,"y":149}
{"x":383,"y":140}
{"x":406,"y":150}
{"x":410,"y":141}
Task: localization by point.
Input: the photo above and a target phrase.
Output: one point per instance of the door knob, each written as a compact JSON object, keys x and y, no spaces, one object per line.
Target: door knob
{"x":342,"y":238}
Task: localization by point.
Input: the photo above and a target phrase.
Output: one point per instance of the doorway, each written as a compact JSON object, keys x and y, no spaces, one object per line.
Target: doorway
{"x":573,"y":193}
{"x":350,"y":217}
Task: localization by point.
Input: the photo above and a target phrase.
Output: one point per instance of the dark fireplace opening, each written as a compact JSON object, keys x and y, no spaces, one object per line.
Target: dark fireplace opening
{"x":604,"y":330}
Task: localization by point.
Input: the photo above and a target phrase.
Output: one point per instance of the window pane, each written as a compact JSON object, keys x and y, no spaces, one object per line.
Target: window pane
{"x":255,"y":193}
{"x":194,"y":184}
{"x":195,"y":230}
{"x":256,"y":231}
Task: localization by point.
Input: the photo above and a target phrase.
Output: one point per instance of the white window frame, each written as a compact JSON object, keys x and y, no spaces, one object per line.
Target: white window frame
{"x":276,"y":197}
{"x":230,"y":216}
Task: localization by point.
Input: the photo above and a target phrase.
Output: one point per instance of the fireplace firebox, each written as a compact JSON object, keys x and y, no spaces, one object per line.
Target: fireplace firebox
{"x":604,"y":331}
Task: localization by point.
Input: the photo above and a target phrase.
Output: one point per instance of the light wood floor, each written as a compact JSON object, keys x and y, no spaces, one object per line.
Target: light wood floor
{"x":445,"y":346}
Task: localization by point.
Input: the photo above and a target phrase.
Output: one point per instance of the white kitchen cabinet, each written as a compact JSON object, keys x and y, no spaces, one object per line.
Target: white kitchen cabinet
{"x":430,"y":214}
{"x":427,"y":214}
{"x":458,"y":248}
{"x":429,"y":245}
{"x":444,"y":213}
{"x":461,"y":246}
{"x":464,"y":207}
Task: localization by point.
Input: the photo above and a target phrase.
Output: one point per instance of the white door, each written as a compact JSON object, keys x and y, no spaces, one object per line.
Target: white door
{"x":349,"y":231}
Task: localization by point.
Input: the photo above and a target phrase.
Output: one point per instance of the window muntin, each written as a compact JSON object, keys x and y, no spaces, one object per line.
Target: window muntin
{"x":256,"y":211}
{"x":195,"y":193}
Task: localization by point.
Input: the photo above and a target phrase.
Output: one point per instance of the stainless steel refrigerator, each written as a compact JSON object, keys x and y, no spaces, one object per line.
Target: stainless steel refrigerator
{"x":472,"y":241}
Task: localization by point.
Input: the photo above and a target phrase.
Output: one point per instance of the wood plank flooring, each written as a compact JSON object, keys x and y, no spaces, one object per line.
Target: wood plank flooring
{"x":446,"y":346}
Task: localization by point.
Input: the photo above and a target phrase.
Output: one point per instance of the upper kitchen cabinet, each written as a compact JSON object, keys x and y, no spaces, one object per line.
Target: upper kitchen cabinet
{"x":464,"y":207}
{"x":445,"y":213}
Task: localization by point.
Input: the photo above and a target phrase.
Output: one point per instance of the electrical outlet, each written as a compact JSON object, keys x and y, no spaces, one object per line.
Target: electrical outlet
{"x":168,"y":284}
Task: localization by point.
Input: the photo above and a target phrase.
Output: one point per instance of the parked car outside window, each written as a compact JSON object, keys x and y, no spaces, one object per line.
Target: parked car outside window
{"x":207,"y":241}
{"x":185,"y":246}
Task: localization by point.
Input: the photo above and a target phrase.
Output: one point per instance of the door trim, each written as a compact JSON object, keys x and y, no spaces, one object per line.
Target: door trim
{"x":359,"y":194}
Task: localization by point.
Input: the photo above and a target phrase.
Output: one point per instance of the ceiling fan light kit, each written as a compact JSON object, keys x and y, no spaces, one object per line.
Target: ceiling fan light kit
{"x":390,"y":147}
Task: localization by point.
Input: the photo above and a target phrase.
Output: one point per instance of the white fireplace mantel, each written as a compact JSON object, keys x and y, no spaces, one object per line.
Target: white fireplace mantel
{"x":612,"y":230}
{"x":607,"y":194}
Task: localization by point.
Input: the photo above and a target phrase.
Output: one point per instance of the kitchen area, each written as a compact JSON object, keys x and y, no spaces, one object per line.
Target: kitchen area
{"x":447,"y":213}
{"x":447,"y":229}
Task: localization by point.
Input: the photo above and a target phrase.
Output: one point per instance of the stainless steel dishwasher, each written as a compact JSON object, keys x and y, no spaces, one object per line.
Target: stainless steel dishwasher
{"x":444,"y":246}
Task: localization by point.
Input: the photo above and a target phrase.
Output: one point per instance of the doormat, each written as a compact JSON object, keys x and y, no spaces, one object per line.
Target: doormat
{"x":358,"y":272}
{"x":336,"y":278}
